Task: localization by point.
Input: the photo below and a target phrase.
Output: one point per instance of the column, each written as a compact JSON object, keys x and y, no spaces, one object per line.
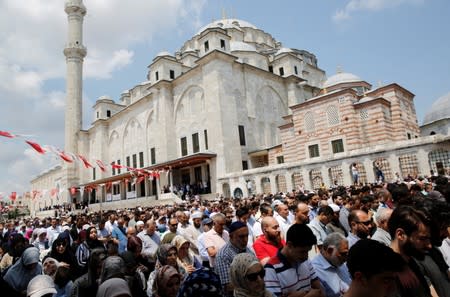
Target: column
{"x":368,"y":165}
{"x":273,"y":184}
{"x":394,"y":163}
{"x":306,"y":179}
{"x":346,"y":173}
{"x":258,"y":187}
{"x":325,"y":175}
{"x":289,"y":184}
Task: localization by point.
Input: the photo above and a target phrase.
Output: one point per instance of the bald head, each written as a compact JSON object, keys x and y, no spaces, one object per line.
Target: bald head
{"x":302,"y":213}
{"x":268,"y":222}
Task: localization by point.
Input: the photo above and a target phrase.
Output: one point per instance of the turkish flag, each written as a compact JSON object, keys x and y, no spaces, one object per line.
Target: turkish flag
{"x":73,"y":191}
{"x":13,"y":196}
{"x":36,"y":147}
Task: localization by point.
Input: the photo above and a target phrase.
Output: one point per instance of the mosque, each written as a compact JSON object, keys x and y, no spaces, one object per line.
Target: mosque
{"x":231,"y":113}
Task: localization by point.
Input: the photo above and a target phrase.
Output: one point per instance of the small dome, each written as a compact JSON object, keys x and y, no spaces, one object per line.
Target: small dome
{"x":339,"y":78}
{"x":439,"y":110}
{"x":226,"y":24}
{"x":241,"y":46}
{"x":104,"y":97}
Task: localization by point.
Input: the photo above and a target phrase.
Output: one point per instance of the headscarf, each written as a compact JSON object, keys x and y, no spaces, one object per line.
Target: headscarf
{"x":238,"y":270}
{"x":113,"y":266}
{"x":113,"y":287}
{"x":163,"y":276}
{"x":92,"y":243}
{"x":50,"y":261}
{"x":134,"y":244}
{"x":178,"y":241}
{"x":202,"y":282}
{"x":41,"y":285}
{"x":162,"y":252}
{"x":18,"y":276}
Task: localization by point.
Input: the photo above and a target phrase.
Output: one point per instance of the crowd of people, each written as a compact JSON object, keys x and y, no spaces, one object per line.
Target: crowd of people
{"x":385,"y":239}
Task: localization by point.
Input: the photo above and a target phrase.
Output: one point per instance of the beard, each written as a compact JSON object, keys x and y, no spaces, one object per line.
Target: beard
{"x":412,"y":251}
{"x":362,"y":234}
{"x":273,"y":238}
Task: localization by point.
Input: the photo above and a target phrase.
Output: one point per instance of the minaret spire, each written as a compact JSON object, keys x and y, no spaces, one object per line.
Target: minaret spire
{"x":75,"y":53}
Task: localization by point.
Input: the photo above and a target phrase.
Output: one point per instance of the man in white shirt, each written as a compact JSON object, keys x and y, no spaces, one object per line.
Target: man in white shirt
{"x":283,"y":219}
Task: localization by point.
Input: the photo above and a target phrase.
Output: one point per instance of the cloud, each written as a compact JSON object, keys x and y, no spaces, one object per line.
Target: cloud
{"x":33,"y":34}
{"x":354,"y":6}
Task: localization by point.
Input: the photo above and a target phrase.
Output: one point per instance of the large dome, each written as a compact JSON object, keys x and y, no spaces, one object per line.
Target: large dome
{"x":439,"y":110}
{"x":226,"y":24}
{"x":342,"y":77}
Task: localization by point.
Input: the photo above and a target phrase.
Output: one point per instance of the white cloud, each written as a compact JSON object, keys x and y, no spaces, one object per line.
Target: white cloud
{"x":32,"y":65}
{"x":354,"y":6}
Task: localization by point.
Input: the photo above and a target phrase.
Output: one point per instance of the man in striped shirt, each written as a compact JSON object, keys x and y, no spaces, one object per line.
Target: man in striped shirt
{"x":290,"y":273}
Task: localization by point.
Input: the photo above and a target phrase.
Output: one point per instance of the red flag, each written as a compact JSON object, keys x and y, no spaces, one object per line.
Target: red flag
{"x":65,"y":157}
{"x":116,"y":166}
{"x":36,"y":146}
{"x":73,"y":191}
{"x":85,"y":161}
{"x":53,"y":192}
{"x":140,"y":179}
{"x":6,"y":134}
{"x":101,"y":165}
{"x":13,"y":196}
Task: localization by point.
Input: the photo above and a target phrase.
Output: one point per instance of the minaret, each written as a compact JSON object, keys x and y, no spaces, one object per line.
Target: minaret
{"x":75,"y":53}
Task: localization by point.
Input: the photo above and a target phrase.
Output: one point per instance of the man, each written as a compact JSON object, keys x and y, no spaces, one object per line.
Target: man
{"x":411,"y":239}
{"x":216,"y":238}
{"x":197,"y":222}
{"x":330,"y":267}
{"x":319,"y":223}
{"x":238,"y":244}
{"x":360,"y":226}
{"x":374,"y":275}
{"x":283,"y":219}
{"x":207,"y":225}
{"x":187,"y":230}
{"x":334,"y":225}
{"x":150,"y":241}
{"x":265,"y":211}
{"x":313,"y":205}
{"x":290,"y":273}
{"x":53,"y":231}
{"x":131,"y":231}
{"x":302,"y":213}
{"x":139,"y":226}
{"x":382,"y":232}
{"x":268,"y":244}
{"x":118,"y":235}
{"x":167,"y":236}
{"x":109,"y":225}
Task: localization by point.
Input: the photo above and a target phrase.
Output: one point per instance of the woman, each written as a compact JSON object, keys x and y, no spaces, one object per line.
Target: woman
{"x":24,"y":270}
{"x":166,"y":255}
{"x":85,"y":248}
{"x":167,"y":282}
{"x":86,"y":285}
{"x":185,"y":258}
{"x":50,"y":265}
{"x":114,"y":287}
{"x":247,"y":276}
{"x":41,"y":241}
{"x":61,"y":252}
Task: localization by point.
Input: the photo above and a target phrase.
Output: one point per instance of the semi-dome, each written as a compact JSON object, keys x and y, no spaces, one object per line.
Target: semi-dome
{"x":227,"y":24}
{"x":439,"y":110}
{"x":241,"y":46}
{"x":339,"y":78}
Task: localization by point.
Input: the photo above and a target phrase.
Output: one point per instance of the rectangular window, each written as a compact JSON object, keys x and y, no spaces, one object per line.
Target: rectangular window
{"x":244,"y":165}
{"x":206,"y":46}
{"x":206,"y":139}
{"x":280,"y":159}
{"x":118,"y":169}
{"x":295,"y":70}
{"x":222,"y":44}
{"x":113,"y":169}
{"x":97,"y":114}
{"x":116,"y":189}
{"x":108,"y":113}
{"x":281,"y":69}
{"x":241,"y":135}
{"x":338,"y":146}
{"x":157,"y":75}
{"x":128,"y":162}
{"x":271,"y":69}
{"x":134,"y":161}
{"x":184,"y":150}
{"x":129,"y":186}
{"x":409,"y":135}
{"x":172,"y":74}
{"x":93,"y":174}
{"x":153,"y":155}
{"x":313,"y":150}
{"x":195,"y":143}
{"x":141,"y":159}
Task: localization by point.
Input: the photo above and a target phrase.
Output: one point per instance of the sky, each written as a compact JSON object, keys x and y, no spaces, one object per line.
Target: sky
{"x":381,"y":41}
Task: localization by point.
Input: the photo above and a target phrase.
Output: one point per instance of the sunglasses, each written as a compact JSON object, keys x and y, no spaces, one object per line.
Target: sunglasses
{"x":367,"y":223}
{"x":254,"y":276}
{"x":61,"y":244}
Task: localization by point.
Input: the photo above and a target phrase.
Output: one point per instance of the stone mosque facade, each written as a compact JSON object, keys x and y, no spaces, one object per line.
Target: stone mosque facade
{"x":237,"y":113}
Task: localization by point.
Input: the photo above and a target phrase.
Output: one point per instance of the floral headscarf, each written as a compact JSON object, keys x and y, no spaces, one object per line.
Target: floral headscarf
{"x":238,"y":270}
{"x":163,"y":251}
{"x":163,"y":276}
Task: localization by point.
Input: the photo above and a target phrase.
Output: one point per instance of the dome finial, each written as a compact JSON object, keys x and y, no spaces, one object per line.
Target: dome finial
{"x":339,"y":69}
{"x":224,"y":14}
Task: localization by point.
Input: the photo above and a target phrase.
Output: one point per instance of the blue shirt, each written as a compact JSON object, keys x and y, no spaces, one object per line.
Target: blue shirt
{"x":118,"y":234}
{"x":335,"y":280}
